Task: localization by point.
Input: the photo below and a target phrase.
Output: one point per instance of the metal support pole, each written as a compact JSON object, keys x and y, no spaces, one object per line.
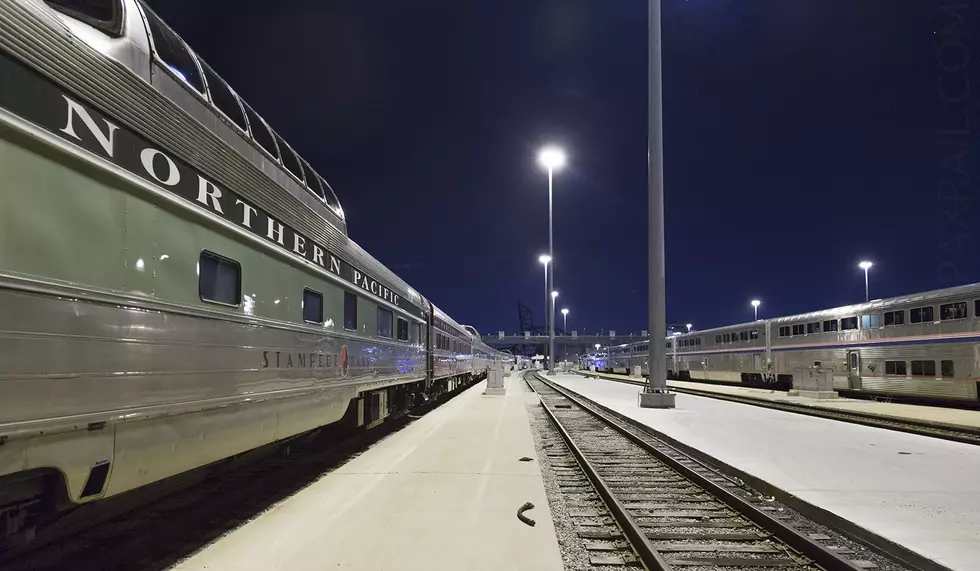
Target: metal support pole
{"x":655,"y":394}
{"x":866,"y":296}
{"x":551,"y":281}
{"x":547,"y":295}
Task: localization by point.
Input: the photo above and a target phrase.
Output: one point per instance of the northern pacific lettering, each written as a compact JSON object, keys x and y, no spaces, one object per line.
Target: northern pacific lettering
{"x":89,"y":129}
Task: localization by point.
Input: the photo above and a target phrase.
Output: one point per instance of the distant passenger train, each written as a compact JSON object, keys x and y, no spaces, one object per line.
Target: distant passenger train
{"x":925,"y":345}
{"x":177,"y":285}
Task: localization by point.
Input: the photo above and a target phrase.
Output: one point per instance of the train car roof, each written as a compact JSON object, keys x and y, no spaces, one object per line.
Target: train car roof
{"x":140,"y":25}
{"x":884,"y":304}
{"x":445,"y":317}
{"x":850,"y":310}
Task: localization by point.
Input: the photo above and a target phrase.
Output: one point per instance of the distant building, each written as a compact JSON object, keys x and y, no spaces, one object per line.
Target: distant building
{"x":673,"y":328}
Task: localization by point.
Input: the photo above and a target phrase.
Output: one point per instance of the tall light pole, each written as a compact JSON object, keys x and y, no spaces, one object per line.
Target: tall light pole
{"x":655,"y":394}
{"x":564,"y":314}
{"x":554,"y":356}
{"x":865,"y":265}
{"x":755,"y":305}
{"x":554,"y":296}
{"x":551,"y":158}
{"x":545,"y":259}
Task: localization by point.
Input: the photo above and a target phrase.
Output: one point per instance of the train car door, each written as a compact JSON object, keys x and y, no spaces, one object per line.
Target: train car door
{"x":427,"y":336}
{"x":854,"y":369}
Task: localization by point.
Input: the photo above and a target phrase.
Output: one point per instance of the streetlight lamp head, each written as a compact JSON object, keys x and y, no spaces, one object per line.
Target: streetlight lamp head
{"x":689,"y":325}
{"x":544,"y":259}
{"x":597,"y":346}
{"x":756,"y":303}
{"x":552,"y":158}
{"x":554,"y":294}
{"x":865,"y":265}
{"x":564,"y":311}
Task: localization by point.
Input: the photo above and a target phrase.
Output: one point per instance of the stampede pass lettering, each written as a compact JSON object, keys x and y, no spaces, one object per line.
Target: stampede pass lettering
{"x":311,"y":360}
{"x":43,"y":103}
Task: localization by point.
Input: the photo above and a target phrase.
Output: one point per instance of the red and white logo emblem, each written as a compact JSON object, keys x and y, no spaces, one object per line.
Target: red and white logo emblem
{"x":343,"y":361}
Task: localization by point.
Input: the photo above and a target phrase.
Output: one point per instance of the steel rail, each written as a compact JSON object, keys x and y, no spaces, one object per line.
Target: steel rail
{"x":631,"y":529}
{"x":819,"y":554}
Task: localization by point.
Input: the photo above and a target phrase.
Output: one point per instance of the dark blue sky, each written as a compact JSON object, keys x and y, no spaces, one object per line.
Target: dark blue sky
{"x":800,"y":137}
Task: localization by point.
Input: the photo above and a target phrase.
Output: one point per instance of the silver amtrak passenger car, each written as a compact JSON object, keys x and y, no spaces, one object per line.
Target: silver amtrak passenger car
{"x":924,"y":345}
{"x":176,"y":282}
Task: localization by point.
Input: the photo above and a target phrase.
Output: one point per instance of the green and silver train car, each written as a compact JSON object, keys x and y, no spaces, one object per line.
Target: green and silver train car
{"x":176,"y":283}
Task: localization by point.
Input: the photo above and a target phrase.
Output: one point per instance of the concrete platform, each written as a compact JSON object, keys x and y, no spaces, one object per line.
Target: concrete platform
{"x":441,"y":494}
{"x":920,"y":492}
{"x":932,"y":414}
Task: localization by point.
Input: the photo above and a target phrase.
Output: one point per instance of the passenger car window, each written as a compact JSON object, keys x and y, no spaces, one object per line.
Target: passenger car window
{"x":223,"y":97}
{"x":402,"y":329}
{"x":384,"y":322}
{"x":103,"y":14}
{"x":921,"y":368}
{"x":895,"y":317}
{"x":312,"y":181}
{"x":289,"y":159}
{"x":312,"y":306}
{"x":329,"y":195}
{"x":921,"y":315}
{"x":350,"y":311}
{"x":870,"y":321}
{"x":219,"y":279}
{"x":172,"y":51}
{"x":947,"y":368}
{"x":895,"y":368}
{"x":848,"y":323}
{"x":955,"y":310}
{"x":260,"y":131}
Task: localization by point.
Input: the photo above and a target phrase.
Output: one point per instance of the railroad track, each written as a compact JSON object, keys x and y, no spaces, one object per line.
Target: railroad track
{"x":965,"y":434}
{"x":637,"y":499}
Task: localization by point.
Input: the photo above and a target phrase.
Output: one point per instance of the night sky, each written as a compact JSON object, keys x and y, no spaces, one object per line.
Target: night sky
{"x":800,"y":138}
